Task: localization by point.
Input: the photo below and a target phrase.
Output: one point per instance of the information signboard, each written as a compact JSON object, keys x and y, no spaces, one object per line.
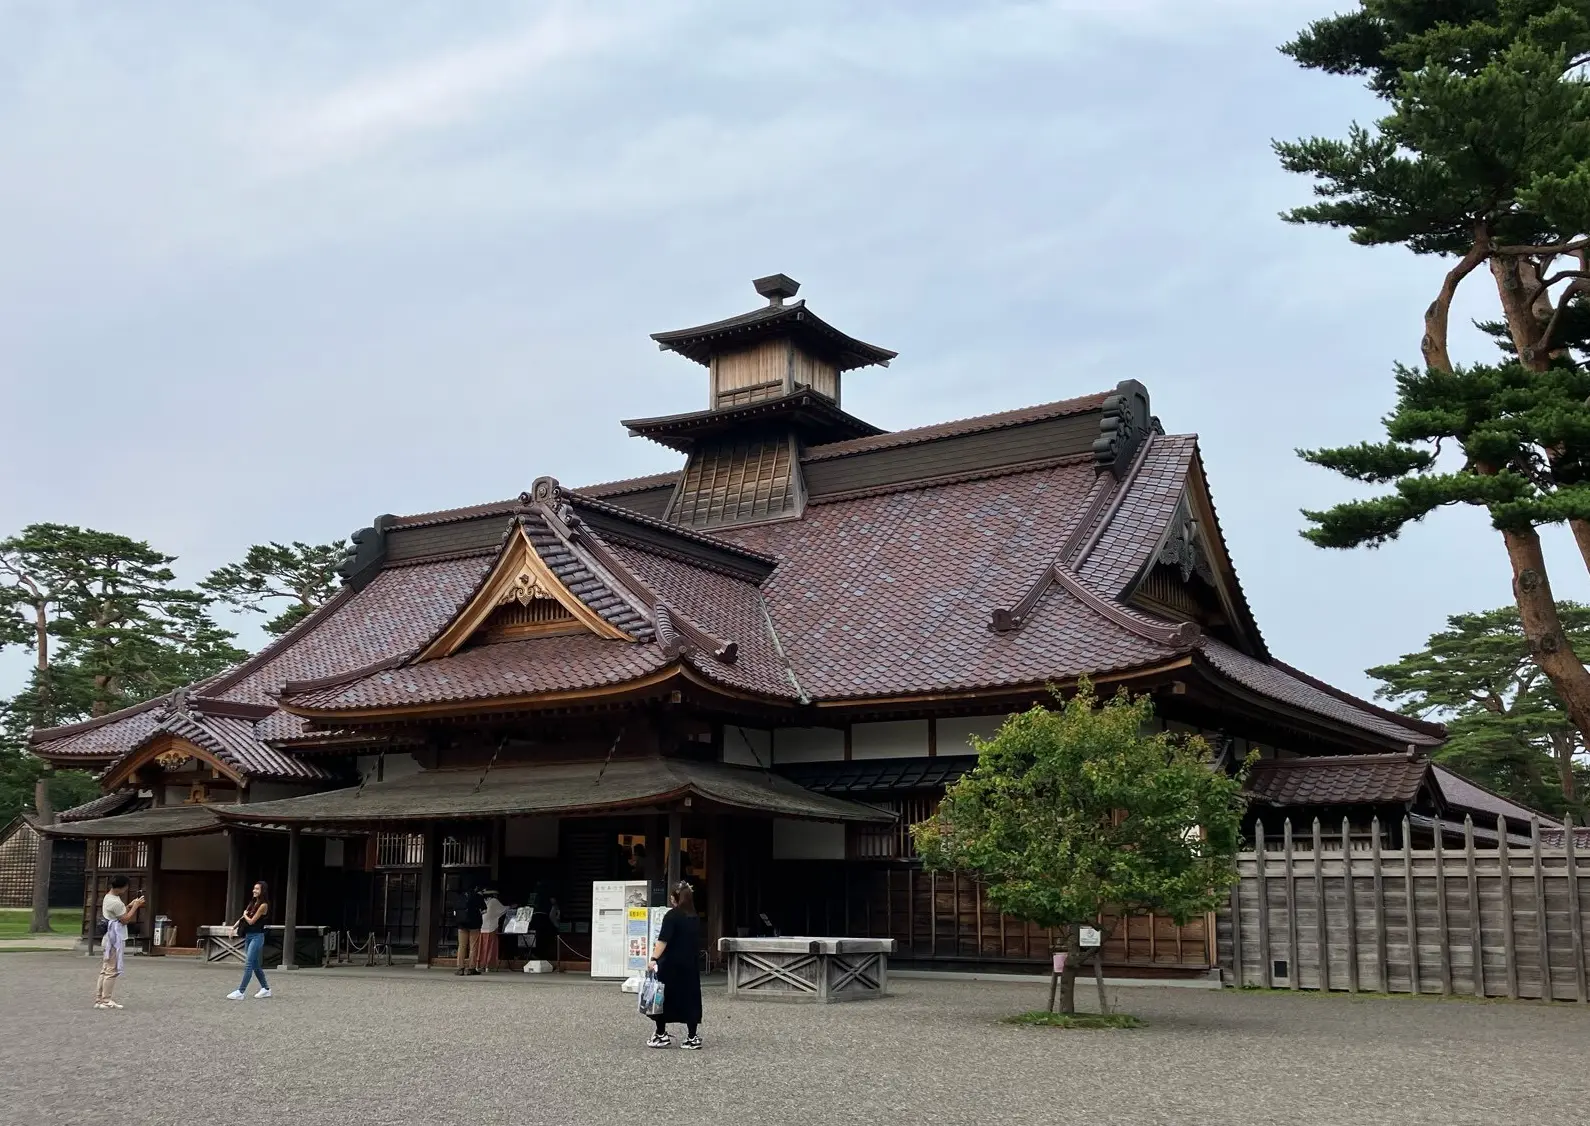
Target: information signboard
{"x":612,"y":902}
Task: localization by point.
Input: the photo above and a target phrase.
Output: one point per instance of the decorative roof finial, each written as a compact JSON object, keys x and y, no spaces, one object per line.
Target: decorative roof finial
{"x":776,"y":287}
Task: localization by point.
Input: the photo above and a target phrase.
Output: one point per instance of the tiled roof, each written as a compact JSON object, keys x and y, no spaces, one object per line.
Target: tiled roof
{"x":1459,"y":792}
{"x":1389,"y":779}
{"x":879,"y":776}
{"x":401,"y":608}
{"x":956,"y":428}
{"x":508,"y":669}
{"x":1138,"y":525}
{"x":156,"y":821}
{"x":117,"y":801}
{"x":100,"y":739}
{"x":629,"y":485}
{"x":725,"y":607}
{"x":1277,"y":683}
{"x":235,"y":743}
{"x":891,"y":595}
{"x":870,"y":597}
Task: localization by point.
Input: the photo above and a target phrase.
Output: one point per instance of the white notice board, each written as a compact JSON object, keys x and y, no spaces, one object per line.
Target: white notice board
{"x":611,"y":901}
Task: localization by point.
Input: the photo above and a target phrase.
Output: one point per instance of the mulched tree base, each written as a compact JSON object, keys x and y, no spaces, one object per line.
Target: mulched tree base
{"x":1041,"y":1019}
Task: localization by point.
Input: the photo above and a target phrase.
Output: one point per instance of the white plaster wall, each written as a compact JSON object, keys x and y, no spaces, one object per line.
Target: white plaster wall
{"x":902,"y":738}
{"x":531,"y":837}
{"x":194,"y":854}
{"x":955,"y":732}
{"x":808,"y":840}
{"x":747,"y":746}
{"x":808,"y":744}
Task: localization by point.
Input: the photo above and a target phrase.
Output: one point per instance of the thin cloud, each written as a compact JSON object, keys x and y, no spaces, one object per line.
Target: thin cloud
{"x":442,"y":90}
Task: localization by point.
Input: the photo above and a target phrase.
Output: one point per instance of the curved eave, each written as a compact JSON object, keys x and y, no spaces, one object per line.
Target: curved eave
{"x":1324,"y":727}
{"x":815,"y":415}
{"x":530,"y":701}
{"x":702,"y":341}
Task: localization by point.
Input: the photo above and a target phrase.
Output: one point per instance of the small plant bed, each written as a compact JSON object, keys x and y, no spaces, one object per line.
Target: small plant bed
{"x":1042,"y":1019}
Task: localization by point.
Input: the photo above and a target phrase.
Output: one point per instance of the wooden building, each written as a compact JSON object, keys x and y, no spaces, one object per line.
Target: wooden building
{"x":756,"y":670}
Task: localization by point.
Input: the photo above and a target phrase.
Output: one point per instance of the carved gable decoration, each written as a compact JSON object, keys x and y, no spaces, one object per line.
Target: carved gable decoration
{"x":1184,"y":548}
{"x":521,"y":597}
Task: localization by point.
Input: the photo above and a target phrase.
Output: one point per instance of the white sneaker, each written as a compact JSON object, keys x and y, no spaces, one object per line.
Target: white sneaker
{"x":112,"y":1004}
{"x":263,"y":993}
{"x":235,"y":995}
{"x":101,"y":1005}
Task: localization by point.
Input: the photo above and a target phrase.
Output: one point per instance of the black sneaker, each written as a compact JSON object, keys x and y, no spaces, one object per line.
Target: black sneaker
{"x":660,"y":1040}
{"x":692,"y":1042}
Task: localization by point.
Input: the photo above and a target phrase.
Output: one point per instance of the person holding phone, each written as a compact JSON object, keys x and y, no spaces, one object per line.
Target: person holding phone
{"x":117,"y":914}
{"x":251,"y":926}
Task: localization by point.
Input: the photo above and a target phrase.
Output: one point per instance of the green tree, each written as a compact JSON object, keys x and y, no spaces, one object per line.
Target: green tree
{"x":1075,"y":812}
{"x":1507,"y":728}
{"x":107,"y":626}
{"x":1483,"y":156}
{"x":300,"y":574}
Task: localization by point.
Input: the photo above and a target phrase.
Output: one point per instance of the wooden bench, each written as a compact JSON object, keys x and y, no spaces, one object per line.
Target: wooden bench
{"x":807,"y":969}
{"x":309,"y":945}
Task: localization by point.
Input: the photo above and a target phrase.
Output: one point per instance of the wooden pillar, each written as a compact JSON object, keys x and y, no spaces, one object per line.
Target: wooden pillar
{"x":290,"y":912}
{"x":716,"y":883}
{"x":152,"y":892}
{"x":1266,"y":977}
{"x":91,"y":908}
{"x":429,"y":861}
{"x":234,"y":875}
{"x":674,"y":859}
{"x":40,"y":923}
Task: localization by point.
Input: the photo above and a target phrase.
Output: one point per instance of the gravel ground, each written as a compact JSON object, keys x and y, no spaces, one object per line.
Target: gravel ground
{"x":386,"y":1046}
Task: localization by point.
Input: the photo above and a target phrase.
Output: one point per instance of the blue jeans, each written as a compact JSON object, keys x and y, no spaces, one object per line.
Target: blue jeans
{"x":253,"y":948}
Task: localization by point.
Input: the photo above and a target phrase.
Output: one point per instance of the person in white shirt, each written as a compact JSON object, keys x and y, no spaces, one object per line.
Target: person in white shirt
{"x":117,"y":915}
{"x":490,"y":920}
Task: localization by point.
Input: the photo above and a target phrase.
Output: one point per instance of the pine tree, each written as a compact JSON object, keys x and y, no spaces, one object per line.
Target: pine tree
{"x":1483,"y":156}
{"x":300,"y":574}
{"x":108,"y":627}
{"x":1507,"y":728}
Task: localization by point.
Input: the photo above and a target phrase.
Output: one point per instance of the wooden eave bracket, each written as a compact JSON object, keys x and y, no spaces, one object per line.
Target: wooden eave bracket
{"x":1181,"y":635}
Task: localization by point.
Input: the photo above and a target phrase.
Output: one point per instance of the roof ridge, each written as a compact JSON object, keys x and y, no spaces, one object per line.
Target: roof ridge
{"x":1320,"y":760}
{"x":628,"y":484}
{"x":953,"y":428}
{"x":579,"y":500}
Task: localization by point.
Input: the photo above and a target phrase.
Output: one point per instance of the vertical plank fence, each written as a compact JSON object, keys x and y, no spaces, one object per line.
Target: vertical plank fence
{"x":1502,"y":917}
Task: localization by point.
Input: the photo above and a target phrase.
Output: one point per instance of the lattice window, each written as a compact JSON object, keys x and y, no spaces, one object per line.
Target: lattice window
{"x":399,"y":850}
{"x":122,"y":855}
{"x":736,"y":482}
{"x":892,"y":841}
{"x":536,"y":617}
{"x":464,"y":852}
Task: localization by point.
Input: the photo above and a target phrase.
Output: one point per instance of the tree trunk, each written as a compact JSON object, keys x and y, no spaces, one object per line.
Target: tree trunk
{"x":1068,"y":977}
{"x":1537,"y":611}
{"x":1562,"y":752}
{"x":40,"y":923}
{"x":1515,"y":279}
{"x":1098,"y":977}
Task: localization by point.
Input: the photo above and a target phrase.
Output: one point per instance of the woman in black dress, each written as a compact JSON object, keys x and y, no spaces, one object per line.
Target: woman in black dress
{"x":675,"y":958}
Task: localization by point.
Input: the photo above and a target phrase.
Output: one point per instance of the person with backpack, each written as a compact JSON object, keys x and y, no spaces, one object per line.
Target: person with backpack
{"x":115,"y":914}
{"x":251,"y":926}
{"x":471,"y":909}
{"x":675,"y":959}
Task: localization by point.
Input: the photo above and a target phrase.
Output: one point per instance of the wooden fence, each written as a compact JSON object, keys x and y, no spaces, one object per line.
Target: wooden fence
{"x":1501,"y":919}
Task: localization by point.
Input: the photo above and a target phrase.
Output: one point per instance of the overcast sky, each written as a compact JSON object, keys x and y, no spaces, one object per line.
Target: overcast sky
{"x":270,"y":270}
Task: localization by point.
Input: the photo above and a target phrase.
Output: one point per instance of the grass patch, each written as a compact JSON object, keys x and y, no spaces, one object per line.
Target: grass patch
{"x":14,"y":921}
{"x":1042,"y":1019}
